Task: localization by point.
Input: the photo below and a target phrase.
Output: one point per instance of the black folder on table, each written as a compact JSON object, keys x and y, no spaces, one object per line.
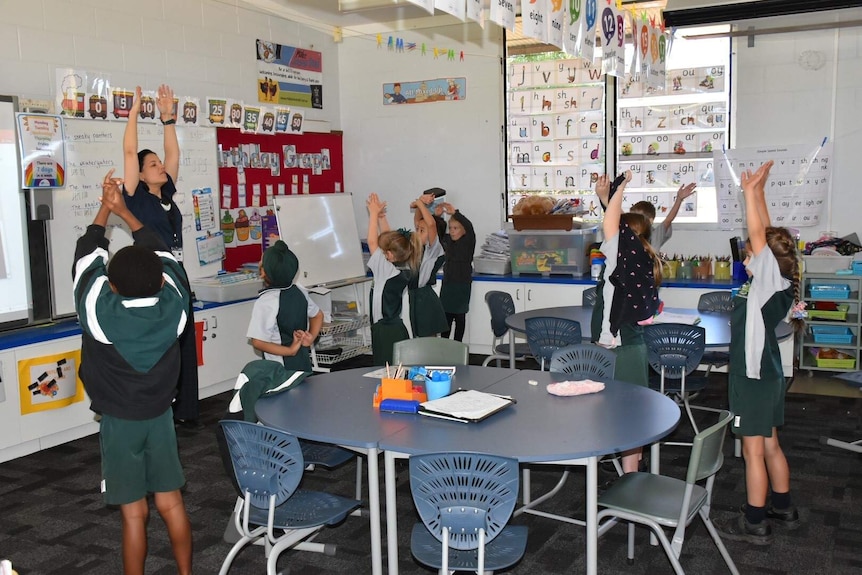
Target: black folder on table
{"x":466,"y":406}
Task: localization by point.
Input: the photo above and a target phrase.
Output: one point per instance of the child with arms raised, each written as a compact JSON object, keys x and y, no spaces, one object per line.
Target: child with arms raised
{"x":131,"y":312}
{"x":627,"y":292}
{"x":459,"y":245}
{"x":756,"y":379}
{"x":661,"y":233}
{"x":284,"y":321}
{"x":394,"y":258}
{"x":427,"y":316}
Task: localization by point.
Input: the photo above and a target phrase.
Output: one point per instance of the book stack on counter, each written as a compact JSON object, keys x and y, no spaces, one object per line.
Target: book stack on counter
{"x":494,"y":256}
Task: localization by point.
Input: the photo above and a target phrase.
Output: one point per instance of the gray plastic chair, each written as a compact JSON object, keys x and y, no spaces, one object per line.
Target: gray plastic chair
{"x":545,"y":335}
{"x":658,"y":501}
{"x":501,"y":305}
{"x":584,"y":359}
{"x":268,"y":467}
{"x":588,"y":298}
{"x":465,"y":501}
{"x":430,"y":351}
{"x":715,"y":301}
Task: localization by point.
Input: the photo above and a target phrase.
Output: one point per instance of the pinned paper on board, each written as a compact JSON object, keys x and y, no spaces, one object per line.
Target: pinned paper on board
{"x":49,"y":382}
{"x":204,"y":209}
{"x":210,"y":248}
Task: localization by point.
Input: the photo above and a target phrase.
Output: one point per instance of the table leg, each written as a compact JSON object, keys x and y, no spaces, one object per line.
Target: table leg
{"x":511,"y":349}
{"x":374,"y":512}
{"x":591,"y":515}
{"x":391,"y":513}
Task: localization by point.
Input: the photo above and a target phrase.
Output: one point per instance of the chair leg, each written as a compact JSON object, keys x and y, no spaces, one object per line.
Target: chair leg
{"x":287,"y":541}
{"x":704,"y":515}
{"x":234,"y":551}
{"x":631,"y":543}
{"x":359,"y":478}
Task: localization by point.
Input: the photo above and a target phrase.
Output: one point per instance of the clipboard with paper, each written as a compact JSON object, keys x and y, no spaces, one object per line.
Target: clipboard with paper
{"x":466,"y":406}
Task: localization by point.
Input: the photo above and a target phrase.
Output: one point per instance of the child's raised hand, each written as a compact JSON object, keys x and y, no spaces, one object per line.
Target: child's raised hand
{"x":603,"y":188}
{"x":754,"y":181}
{"x":439,"y":209}
{"x":686,"y":190}
{"x":374,"y":205}
{"x":112,"y":195}
{"x":426,"y":199}
{"x":628,"y":176}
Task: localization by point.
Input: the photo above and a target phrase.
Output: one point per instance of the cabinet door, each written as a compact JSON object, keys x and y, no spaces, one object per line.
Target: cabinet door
{"x":479,"y":334}
{"x":41,"y":423}
{"x":10,"y":414}
{"x":538,"y":295}
{"x":224,"y":346}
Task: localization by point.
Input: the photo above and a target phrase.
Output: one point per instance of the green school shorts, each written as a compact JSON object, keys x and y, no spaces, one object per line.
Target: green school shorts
{"x":139,"y":457}
{"x":757,"y":404}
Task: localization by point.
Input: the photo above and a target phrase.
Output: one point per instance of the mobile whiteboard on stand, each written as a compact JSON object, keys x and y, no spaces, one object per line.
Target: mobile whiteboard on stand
{"x":321,"y":230}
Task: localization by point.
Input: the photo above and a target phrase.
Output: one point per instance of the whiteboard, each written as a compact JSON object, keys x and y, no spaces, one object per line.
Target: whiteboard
{"x":321,"y":230}
{"x":92,"y":148}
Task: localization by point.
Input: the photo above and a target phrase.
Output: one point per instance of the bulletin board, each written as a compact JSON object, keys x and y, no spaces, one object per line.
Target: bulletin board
{"x":250,"y":179}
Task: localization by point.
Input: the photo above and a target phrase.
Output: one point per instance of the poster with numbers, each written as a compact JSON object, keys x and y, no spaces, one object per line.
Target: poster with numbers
{"x":796,"y":190}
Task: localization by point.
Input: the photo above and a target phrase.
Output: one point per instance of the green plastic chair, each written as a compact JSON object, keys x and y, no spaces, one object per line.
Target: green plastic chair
{"x":430,"y":351}
{"x":658,"y":501}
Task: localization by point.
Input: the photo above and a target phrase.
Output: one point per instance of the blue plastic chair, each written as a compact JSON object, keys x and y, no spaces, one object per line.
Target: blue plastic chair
{"x":584,"y":359}
{"x":268,"y":467}
{"x":465,"y":501}
{"x":501,"y":305}
{"x":545,"y":335}
{"x":674,"y":350}
{"x":715,"y":301}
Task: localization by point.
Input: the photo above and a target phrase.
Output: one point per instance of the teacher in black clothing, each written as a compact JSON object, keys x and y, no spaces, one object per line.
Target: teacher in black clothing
{"x":149,"y":190}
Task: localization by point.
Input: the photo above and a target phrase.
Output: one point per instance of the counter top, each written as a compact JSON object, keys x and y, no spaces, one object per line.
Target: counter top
{"x":562,"y":279}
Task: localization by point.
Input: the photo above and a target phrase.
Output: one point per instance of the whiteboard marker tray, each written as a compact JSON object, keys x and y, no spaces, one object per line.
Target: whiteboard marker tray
{"x":210,"y":289}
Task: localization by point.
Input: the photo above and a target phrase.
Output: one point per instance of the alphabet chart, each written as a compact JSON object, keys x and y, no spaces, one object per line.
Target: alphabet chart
{"x":666,"y":136}
{"x":795,"y":192}
{"x":556,"y":125}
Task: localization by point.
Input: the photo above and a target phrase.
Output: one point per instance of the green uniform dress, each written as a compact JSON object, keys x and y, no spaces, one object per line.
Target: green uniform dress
{"x":427,"y":316}
{"x":387,"y":291}
{"x":756,"y":393}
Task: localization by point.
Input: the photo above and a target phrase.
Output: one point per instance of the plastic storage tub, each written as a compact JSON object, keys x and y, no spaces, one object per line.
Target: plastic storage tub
{"x":830,"y":291}
{"x":826,"y":264}
{"x":549,"y":252}
{"x":831,"y":334}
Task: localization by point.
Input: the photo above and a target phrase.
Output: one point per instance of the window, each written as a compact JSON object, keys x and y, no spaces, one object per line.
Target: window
{"x":556,"y":112}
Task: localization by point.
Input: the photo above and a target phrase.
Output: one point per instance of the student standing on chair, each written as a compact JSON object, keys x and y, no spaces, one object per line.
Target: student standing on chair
{"x":149,"y":190}
{"x":627,"y":292}
{"x":756,"y":379}
{"x":394,"y":258}
{"x":131,"y":311}
{"x":459,"y":245}
{"x":661,"y":233}
{"x":427,"y":317}
{"x":284,"y":321}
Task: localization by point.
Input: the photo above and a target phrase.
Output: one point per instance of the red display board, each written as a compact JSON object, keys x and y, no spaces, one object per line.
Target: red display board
{"x":300,"y":150}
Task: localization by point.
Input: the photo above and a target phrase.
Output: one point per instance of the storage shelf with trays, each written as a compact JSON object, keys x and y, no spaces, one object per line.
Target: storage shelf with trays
{"x":349,"y":335}
{"x":838,"y":329}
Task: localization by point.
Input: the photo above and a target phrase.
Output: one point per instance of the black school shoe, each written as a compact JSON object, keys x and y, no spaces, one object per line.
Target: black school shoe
{"x":739,"y":529}
{"x":190,"y":424}
{"x":783,"y":518}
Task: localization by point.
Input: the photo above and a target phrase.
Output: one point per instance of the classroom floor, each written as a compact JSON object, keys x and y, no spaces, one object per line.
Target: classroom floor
{"x":53,"y":522}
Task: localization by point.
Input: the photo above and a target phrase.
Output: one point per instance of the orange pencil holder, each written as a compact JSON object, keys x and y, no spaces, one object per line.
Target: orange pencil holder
{"x":398,"y":389}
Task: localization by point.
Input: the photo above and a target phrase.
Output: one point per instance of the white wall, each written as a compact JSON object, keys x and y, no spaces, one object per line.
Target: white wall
{"x":200,"y":47}
{"x":777,"y":100}
{"x":399,"y":150}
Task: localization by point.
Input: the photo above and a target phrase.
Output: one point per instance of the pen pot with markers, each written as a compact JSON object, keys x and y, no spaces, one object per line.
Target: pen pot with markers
{"x":438,"y":385}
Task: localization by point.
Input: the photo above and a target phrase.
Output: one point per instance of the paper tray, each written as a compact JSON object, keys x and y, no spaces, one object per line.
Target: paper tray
{"x":207,"y":290}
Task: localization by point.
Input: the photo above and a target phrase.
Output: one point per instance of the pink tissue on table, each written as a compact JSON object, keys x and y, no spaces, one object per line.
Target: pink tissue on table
{"x":565,"y":388}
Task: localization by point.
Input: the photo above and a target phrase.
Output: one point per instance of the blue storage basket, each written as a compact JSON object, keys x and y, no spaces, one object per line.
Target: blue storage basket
{"x":830,"y":291}
{"x":831,"y":334}
{"x":856,"y":267}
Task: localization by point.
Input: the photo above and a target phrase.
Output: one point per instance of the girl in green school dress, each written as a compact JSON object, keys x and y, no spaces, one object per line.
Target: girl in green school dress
{"x":756,"y":379}
{"x":427,"y":317}
{"x":394,"y":258}
{"x":627,"y":292}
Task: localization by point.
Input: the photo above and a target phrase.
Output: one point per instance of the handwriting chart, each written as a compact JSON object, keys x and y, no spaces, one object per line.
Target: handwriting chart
{"x":795,"y":192}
